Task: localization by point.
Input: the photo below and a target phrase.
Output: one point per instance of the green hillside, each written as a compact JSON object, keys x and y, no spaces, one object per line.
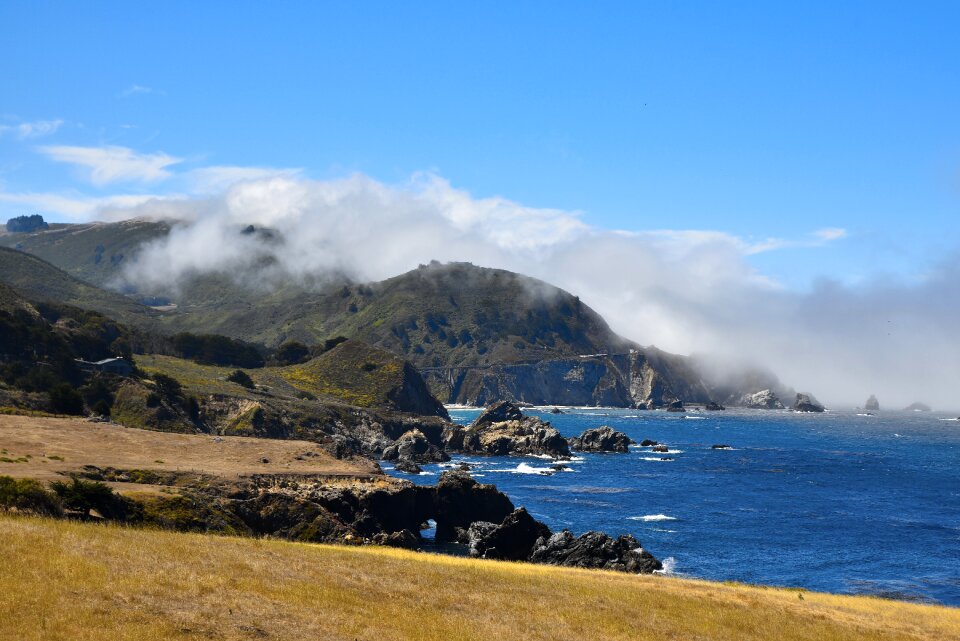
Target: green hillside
{"x":38,"y":280}
{"x":93,"y":252}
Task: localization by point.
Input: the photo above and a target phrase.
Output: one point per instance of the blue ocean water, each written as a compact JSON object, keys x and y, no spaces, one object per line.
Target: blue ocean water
{"x":837,"y":502}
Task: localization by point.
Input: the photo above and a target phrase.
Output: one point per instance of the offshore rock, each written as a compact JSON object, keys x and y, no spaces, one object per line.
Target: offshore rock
{"x":413,"y":446}
{"x":459,"y":500}
{"x":502,"y":429}
{"x":806,"y":403}
{"x":714,"y":407}
{"x":872,"y":404}
{"x":601,"y":439}
{"x":917,"y":407}
{"x":595,"y":550}
{"x":762,"y":400}
{"x":512,"y":540}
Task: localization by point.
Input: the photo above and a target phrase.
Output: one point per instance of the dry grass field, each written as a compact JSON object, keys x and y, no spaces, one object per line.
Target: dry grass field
{"x":45,"y":448}
{"x":73,"y":581}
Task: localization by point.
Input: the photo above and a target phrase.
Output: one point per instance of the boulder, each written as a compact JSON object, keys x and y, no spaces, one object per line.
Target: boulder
{"x":601,"y":439}
{"x":407,"y":466}
{"x":512,"y":540}
{"x":806,"y":403}
{"x":660,"y":448}
{"x":714,"y":407}
{"x":497,"y":413}
{"x":402,"y":539}
{"x":762,"y":400}
{"x":414,"y":446}
{"x":501,"y":430}
{"x":556,"y":410}
{"x":594,"y":550}
{"x":459,"y":500}
{"x":872,"y":404}
{"x":676,"y":406}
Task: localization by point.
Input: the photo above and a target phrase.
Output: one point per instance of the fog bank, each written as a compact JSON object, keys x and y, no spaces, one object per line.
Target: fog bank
{"x":683,"y":291}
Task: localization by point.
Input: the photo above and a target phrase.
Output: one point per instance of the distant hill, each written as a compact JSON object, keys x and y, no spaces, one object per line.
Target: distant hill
{"x":38,"y":280}
{"x":477,"y":334}
{"x":93,"y":252}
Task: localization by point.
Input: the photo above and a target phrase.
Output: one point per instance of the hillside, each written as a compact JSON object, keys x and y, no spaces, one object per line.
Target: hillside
{"x":37,"y":280}
{"x":351,"y":373}
{"x":477,"y":334}
{"x":92,"y":252}
{"x":67,"y":580}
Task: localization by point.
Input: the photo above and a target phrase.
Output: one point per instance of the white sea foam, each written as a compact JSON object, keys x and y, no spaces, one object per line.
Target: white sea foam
{"x":654,"y":458}
{"x":523,"y":468}
{"x":694,"y":418}
{"x":427,"y":474}
{"x":669,"y":566}
{"x":652,"y":517}
{"x":660,"y":529}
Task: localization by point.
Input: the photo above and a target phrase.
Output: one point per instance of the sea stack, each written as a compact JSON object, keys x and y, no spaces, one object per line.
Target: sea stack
{"x":807,"y":403}
{"x":872,"y":404}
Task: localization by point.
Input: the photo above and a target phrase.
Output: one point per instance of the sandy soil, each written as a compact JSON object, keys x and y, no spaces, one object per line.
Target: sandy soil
{"x":43,"y":442}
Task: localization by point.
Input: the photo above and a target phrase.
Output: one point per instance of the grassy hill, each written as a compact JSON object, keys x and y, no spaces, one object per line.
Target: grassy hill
{"x":68,"y":580}
{"x":351,"y":373}
{"x":38,"y":280}
{"x":93,"y":252}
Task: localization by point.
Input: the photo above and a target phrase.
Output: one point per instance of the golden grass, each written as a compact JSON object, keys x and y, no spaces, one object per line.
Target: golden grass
{"x":58,"y":445}
{"x":67,"y":580}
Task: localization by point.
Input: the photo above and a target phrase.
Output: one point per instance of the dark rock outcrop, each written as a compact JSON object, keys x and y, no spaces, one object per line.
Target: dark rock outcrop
{"x":459,"y":500}
{"x":917,"y":407}
{"x":407,"y":467}
{"x":720,"y":447}
{"x":872,"y":404}
{"x":594,"y":550}
{"x":648,"y":442}
{"x":601,"y":439}
{"x":502,"y":429}
{"x":512,"y":540}
{"x":806,"y":403}
{"x":714,"y":407}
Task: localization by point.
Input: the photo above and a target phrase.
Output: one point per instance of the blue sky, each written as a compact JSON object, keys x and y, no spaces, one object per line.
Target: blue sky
{"x":757,"y":120}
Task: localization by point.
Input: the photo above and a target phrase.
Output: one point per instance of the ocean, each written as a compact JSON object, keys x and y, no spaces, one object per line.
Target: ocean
{"x":838,"y":502}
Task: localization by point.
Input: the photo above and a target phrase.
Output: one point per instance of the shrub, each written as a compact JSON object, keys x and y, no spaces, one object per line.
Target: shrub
{"x":167,"y":386}
{"x":241,"y":378}
{"x":65,"y":399}
{"x":26,"y":495}
{"x":292,"y":353}
{"x":84,"y":496}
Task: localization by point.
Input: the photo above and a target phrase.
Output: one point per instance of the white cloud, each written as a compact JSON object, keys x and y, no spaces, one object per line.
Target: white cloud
{"x":110,"y":163}
{"x":79,"y":207}
{"x":138,"y":90}
{"x":683,"y":290}
{"x":33,"y":129}
{"x":217,"y":179}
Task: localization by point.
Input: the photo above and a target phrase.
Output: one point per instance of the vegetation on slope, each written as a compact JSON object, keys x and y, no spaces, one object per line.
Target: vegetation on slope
{"x":38,"y":280}
{"x":93,"y":252}
{"x":66,"y":580}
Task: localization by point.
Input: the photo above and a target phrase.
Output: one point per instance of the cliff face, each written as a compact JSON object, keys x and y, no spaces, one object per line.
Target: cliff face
{"x":640,"y":378}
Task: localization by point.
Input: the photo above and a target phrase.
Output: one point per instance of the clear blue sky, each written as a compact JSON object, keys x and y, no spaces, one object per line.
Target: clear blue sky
{"x":756,"y":119}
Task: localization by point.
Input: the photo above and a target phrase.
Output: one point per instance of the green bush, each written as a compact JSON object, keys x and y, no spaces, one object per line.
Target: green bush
{"x":292,"y":353}
{"x":65,"y":399}
{"x":241,"y":378}
{"x":27,"y":495}
{"x":84,"y":496}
